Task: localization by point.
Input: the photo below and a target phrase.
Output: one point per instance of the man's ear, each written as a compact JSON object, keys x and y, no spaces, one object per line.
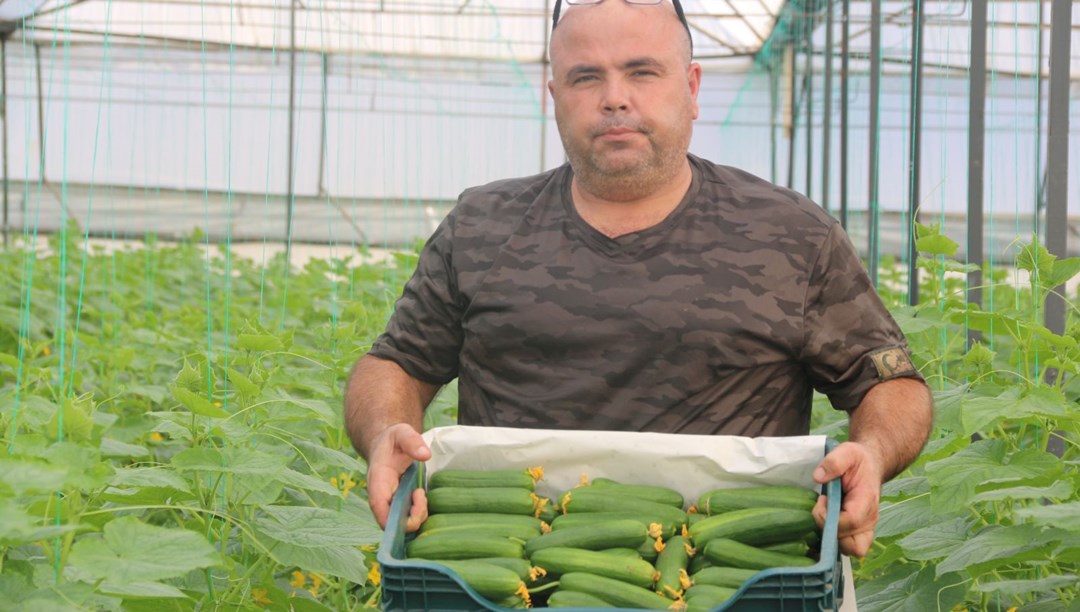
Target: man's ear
{"x":693,"y":76}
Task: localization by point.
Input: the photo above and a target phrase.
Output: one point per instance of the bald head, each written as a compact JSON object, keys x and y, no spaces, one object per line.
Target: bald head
{"x":621,"y":16}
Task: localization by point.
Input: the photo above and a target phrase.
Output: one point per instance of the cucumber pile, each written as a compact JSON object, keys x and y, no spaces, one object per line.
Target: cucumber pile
{"x":607,"y":544}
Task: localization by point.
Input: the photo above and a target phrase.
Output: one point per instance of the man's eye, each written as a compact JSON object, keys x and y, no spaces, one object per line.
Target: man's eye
{"x":583,"y":78}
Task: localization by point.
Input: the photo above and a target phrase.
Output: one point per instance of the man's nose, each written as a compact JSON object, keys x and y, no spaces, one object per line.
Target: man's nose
{"x":615,"y":97}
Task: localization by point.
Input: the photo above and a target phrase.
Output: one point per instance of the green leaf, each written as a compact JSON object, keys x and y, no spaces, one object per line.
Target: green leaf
{"x":155,"y":393}
{"x":197,"y":403}
{"x":896,"y":518}
{"x":331,"y":457}
{"x":1060,"y":489}
{"x":1063,"y":516}
{"x":316,"y":527}
{"x":296,"y":480}
{"x":259,"y":342}
{"x":917,"y":593}
{"x":243,"y":383}
{"x":17,"y":527}
{"x":342,"y":561}
{"x":953,"y":479}
{"x":149,"y":477}
{"x":231,"y":460}
{"x":115,"y":448}
{"x":1034,"y":257}
{"x":20,"y":477}
{"x":1062,"y":271}
{"x":142,"y":590}
{"x":189,"y":378}
{"x":131,"y":551}
{"x":936,"y":540}
{"x":937,"y":244}
{"x":1011,"y":588}
{"x":996,"y":545}
{"x":73,"y":421}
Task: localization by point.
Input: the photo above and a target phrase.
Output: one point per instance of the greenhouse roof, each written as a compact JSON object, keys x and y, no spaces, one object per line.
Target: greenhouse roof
{"x":518,"y":30}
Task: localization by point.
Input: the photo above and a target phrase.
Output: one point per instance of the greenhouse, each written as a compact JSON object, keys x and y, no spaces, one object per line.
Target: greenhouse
{"x":211,"y":209}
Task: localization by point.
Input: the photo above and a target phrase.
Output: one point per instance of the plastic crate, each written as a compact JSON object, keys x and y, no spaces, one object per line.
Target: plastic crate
{"x":422,"y":585}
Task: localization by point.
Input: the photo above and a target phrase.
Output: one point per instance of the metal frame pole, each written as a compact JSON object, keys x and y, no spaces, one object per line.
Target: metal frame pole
{"x":844,"y":107}
{"x":792,"y":127}
{"x":826,"y":136}
{"x":875,"y":119}
{"x":808,"y":78}
{"x":322,"y":129}
{"x":1057,"y":152}
{"x":290,"y":186}
{"x":4,"y":134}
{"x":976,"y":156}
{"x":40,"y":116}
{"x":914,"y":160}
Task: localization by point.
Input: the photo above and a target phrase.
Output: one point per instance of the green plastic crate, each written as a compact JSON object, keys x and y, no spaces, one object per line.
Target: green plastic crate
{"x":431,"y":587}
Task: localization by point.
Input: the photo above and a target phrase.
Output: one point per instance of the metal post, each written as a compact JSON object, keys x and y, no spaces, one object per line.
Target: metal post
{"x":792,"y":127}
{"x":1038,"y":122}
{"x":976,"y":156}
{"x":322,"y":130}
{"x":774,"y":86}
{"x":916,"y":147}
{"x":545,"y":66}
{"x":875,"y":91}
{"x":40,"y":117}
{"x":826,"y":136}
{"x":844,"y":66}
{"x":4,"y":134}
{"x":292,"y":112}
{"x":808,"y":78}
{"x":1057,"y":152}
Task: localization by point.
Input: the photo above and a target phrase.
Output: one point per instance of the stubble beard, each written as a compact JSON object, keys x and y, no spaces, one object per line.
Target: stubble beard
{"x":609,"y":175}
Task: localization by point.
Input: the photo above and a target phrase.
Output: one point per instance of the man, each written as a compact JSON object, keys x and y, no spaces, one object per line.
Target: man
{"x":641,"y":288}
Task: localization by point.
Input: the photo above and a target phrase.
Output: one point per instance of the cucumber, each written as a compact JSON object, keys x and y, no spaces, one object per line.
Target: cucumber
{"x":478,"y":479}
{"x":647,"y":550}
{"x":668,"y":528}
{"x":561,"y":560}
{"x":671,"y":566}
{"x":708,"y":596}
{"x":501,"y":500}
{"x":482,"y":519}
{"x":592,"y":537}
{"x":754,"y":526}
{"x":694,"y":517}
{"x":629,"y":553}
{"x":697,"y":563}
{"x":799,"y":548}
{"x":653,"y":493}
{"x":491,"y":581}
{"x":573,"y":599}
{"x":506,"y":531}
{"x":731,"y":577}
{"x":615,"y":592}
{"x":452,"y":547}
{"x":719,"y":501}
{"x":521,"y":567}
{"x":730,"y":553}
{"x":590,"y":499}
{"x":547,"y":511}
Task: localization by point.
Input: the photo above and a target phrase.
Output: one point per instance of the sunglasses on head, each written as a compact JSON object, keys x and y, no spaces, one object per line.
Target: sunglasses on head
{"x":678,"y":11}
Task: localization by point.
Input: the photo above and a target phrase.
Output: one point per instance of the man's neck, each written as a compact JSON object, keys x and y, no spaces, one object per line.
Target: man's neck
{"x":615,"y":218}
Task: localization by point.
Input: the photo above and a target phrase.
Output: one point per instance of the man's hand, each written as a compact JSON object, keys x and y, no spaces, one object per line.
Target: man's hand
{"x":861,"y":476}
{"x":392,"y":452}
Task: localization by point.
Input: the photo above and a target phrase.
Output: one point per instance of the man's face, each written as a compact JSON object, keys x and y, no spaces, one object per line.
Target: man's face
{"x":625,"y":94}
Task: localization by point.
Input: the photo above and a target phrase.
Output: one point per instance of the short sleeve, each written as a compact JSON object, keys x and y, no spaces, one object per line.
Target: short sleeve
{"x":851,"y":341}
{"x":424,"y":334}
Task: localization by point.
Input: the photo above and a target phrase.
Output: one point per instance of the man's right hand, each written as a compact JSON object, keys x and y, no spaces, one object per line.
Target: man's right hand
{"x":392,"y":452}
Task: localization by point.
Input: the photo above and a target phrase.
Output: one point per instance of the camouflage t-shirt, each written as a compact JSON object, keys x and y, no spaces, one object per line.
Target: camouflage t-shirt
{"x":722,"y":318}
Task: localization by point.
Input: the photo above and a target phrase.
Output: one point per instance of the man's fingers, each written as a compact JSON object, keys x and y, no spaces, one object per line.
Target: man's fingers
{"x":820,"y":510}
{"x":857,"y":545}
{"x":836,"y":463}
{"x":419,"y":512}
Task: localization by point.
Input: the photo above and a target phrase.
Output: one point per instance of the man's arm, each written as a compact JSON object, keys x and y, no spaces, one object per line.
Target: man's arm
{"x":887,"y":432}
{"x":384,"y":411}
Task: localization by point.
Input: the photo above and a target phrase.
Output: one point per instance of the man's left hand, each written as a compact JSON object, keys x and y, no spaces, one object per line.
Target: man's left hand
{"x":860,"y":474}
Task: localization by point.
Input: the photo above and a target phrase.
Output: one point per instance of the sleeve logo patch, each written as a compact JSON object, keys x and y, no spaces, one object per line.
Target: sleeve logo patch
{"x":892,"y":362}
